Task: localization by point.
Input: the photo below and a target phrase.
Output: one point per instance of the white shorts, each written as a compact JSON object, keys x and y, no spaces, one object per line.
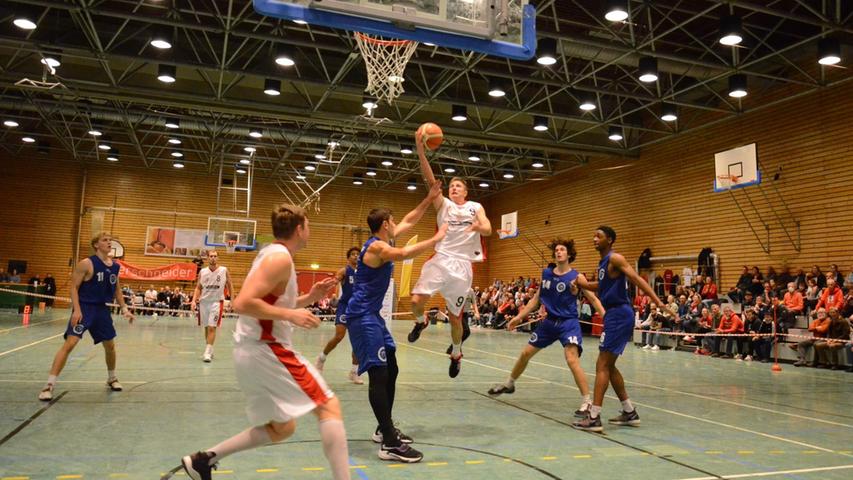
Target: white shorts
{"x":279,"y":384}
{"x":209,"y":314}
{"x":449,"y":276}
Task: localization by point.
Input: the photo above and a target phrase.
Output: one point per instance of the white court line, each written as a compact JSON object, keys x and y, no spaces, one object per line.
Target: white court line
{"x":772,"y":473}
{"x":182,"y":382}
{"x":32,"y":325}
{"x":695,"y":395}
{"x":7,"y":352}
{"x":671,"y":412}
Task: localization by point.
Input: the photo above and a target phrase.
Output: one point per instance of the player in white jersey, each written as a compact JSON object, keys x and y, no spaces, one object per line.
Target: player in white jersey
{"x":280,"y":384}
{"x":449,"y":271}
{"x":209,"y":299}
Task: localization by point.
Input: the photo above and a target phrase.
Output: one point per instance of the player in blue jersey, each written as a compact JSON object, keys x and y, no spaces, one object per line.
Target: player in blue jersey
{"x":346,"y":277}
{"x":558,"y":293}
{"x":94,"y":283}
{"x":613,"y":275}
{"x":371,"y":341}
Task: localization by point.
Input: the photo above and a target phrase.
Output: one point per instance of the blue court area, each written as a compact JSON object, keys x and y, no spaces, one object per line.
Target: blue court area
{"x":701,"y":417}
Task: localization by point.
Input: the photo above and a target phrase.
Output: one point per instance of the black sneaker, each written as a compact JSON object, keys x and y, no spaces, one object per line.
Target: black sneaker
{"x":589,"y":424}
{"x":415,"y":334}
{"x":455,"y":366}
{"x":198,"y":465}
{"x":501,"y":388}
{"x":449,"y":349}
{"x":401,"y":453}
{"x":626,"y":418}
{"x":377,"y":436}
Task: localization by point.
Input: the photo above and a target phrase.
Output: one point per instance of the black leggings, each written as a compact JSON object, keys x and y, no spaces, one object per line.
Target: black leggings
{"x":381,"y":391}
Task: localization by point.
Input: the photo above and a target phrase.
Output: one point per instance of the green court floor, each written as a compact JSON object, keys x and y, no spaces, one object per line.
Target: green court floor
{"x":702,"y":417}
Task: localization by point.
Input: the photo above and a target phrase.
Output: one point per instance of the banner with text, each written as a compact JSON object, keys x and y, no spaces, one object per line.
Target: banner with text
{"x":176,"y":271}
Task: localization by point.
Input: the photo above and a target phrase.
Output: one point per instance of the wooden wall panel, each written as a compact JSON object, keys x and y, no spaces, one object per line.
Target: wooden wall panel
{"x":664,"y":198}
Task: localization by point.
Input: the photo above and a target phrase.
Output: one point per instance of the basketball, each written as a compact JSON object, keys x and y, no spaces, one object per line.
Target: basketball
{"x":430,"y":135}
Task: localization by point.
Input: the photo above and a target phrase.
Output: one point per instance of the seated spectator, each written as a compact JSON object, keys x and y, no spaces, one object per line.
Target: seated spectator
{"x":771,"y":275}
{"x":768,"y":294}
{"x":641,"y":300}
{"x":656,"y":322}
{"x":847,"y":308}
{"x":745,"y":345}
{"x":819,"y":277}
{"x":800,"y":279}
{"x":730,"y":323}
{"x":762,"y":342}
{"x":709,"y":290}
{"x":819,"y":327}
{"x":848,"y":280}
{"x":757,"y":285}
{"x":792,"y":306}
{"x":835,"y":274}
{"x":149,"y":299}
{"x":812,"y":295}
{"x":737,"y":292}
{"x":705,"y":325}
{"x":837,"y":337}
{"x":14,"y":277}
{"x":748,"y":300}
{"x":4,"y":277}
{"x":832,"y":296}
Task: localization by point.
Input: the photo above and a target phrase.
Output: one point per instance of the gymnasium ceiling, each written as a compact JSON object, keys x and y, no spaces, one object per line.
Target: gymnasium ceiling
{"x":224,"y":51}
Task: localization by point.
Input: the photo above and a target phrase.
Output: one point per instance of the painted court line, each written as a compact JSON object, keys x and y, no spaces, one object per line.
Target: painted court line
{"x":650,"y":407}
{"x":665,"y":389}
{"x":7,"y":352}
{"x":33,"y":324}
{"x":773,"y":473}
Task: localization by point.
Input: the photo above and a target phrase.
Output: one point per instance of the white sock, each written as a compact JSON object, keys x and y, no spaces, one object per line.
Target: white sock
{"x":594,"y":411}
{"x":245,"y":440}
{"x":111,"y":374}
{"x":420,"y":318}
{"x":207,"y":349}
{"x":627,"y":406}
{"x":51,"y":380}
{"x":335,"y":448}
{"x":510,"y":382}
{"x":322,"y":357}
{"x":457,"y":350}
{"x":587,"y":399}
{"x":354,"y":368}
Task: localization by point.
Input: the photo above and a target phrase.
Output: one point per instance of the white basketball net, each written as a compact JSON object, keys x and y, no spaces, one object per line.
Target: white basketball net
{"x":385,"y":61}
{"x":231,"y":246}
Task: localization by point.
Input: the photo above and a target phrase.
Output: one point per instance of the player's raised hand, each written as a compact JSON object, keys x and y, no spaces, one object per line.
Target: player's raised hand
{"x":303,"y":318}
{"x":435,"y":190}
{"x":323,"y":287}
{"x":442,"y":231}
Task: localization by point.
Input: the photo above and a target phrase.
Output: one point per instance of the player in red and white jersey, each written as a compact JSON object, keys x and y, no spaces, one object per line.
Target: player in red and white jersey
{"x":449,"y":272}
{"x":280,"y":384}
{"x":209,"y":299}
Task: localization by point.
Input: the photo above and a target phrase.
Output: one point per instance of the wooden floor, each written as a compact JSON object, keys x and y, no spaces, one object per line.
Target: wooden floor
{"x":701,"y":417}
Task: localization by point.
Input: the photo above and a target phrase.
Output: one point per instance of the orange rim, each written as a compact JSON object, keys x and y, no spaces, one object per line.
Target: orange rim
{"x":388,"y":43}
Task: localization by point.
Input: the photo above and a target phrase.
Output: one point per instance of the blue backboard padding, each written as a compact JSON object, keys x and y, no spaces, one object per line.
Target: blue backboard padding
{"x":524,"y":51}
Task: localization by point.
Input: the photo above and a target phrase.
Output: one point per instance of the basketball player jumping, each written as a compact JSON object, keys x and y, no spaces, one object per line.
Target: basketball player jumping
{"x":612,"y":286}
{"x":371,"y":341}
{"x":279,"y":384}
{"x":209,"y":299}
{"x":449,"y":272}
{"x":559,"y":295}
{"x":346,"y":276}
{"x":94,"y":283}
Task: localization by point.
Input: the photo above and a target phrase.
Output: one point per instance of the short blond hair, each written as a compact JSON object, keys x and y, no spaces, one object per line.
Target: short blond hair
{"x":98,"y":236}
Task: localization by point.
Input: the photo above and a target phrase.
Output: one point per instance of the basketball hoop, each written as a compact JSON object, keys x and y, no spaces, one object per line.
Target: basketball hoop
{"x":231,"y":246}
{"x":385,"y":61}
{"x":727,"y":181}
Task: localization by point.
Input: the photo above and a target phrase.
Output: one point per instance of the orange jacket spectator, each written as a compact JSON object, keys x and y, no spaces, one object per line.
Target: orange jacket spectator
{"x":709,"y":291}
{"x":794,"y":301}
{"x":820,"y":326}
{"x":731,"y":324}
{"x":831,"y":297}
{"x":641,"y":300}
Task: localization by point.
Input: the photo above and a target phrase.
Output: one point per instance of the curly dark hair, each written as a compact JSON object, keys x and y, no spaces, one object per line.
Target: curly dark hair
{"x":569,"y":244}
{"x":353,"y":249}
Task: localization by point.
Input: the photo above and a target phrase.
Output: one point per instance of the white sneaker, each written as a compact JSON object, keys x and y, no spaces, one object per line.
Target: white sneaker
{"x":355,"y":378}
{"x":655,"y":348}
{"x":113,"y":385}
{"x":207,"y":357}
{"x":646,"y":347}
{"x":739,"y":357}
{"x":46,"y":394}
{"x":319,"y":364}
{"x":748,"y":358}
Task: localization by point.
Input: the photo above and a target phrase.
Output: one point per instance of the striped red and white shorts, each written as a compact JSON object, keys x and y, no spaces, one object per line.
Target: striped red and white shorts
{"x":280,"y":384}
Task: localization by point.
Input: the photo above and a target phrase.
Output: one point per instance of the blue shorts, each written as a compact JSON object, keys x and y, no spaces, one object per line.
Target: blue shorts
{"x":340,"y":318}
{"x":370,"y":339}
{"x":618,"y":329}
{"x":96,"y":320}
{"x":568,"y":332}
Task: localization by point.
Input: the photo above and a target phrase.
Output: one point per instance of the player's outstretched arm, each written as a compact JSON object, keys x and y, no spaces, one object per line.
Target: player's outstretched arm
{"x":413,"y":217}
{"x":272,"y":273}
{"x":387,"y":253}
{"x":619,"y":262}
{"x":586,"y":284}
{"x":593,"y":299}
{"x":524,"y":312}
{"x":426,"y":171}
{"x":318,"y":291}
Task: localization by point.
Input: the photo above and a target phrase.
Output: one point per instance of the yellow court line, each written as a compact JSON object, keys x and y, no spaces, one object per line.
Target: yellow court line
{"x":436,"y":464}
{"x":358,"y":466}
{"x":313,"y":469}
{"x":266,"y":470}
{"x":582,"y":456}
{"x":15,"y":478}
{"x":549,"y":458}
{"x":745,"y":452}
{"x":810,"y":452}
{"x":397,"y":465}
{"x":474,"y":462}
{"x":64,"y":477}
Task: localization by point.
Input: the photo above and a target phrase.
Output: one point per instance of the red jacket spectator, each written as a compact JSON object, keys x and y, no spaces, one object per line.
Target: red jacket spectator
{"x":820,"y":326}
{"x":641,"y":300}
{"x":832,"y":296}
{"x":709,"y":291}
{"x":730,"y":324}
{"x":794,"y":301}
